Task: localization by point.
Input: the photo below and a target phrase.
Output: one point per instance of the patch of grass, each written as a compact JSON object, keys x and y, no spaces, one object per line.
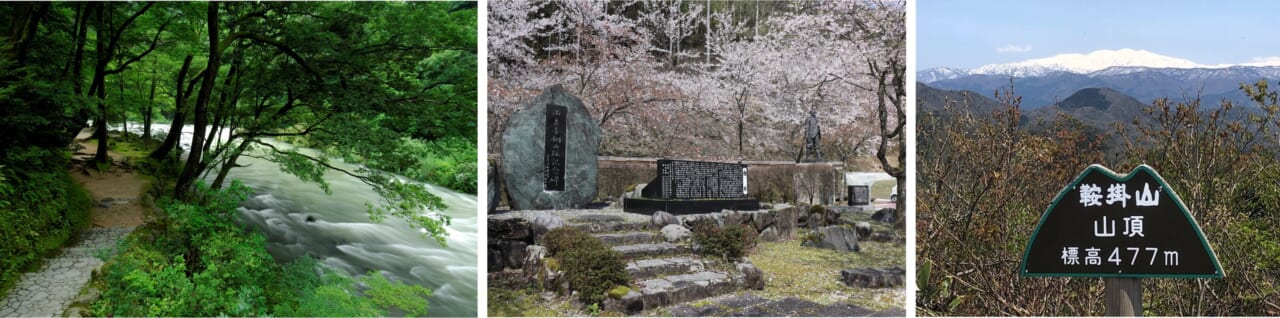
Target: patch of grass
{"x":814,"y":274}
{"x":525,"y":303}
{"x":875,"y":226}
{"x":882,"y":189}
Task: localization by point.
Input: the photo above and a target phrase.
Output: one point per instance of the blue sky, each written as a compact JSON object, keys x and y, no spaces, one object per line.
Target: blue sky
{"x":968,"y":34}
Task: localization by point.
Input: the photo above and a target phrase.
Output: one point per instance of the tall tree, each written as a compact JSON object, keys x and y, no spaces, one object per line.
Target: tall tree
{"x":194,"y":158}
{"x":108,"y":44}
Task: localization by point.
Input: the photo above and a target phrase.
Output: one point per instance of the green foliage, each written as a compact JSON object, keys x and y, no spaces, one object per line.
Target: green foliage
{"x":41,"y":208}
{"x":1222,"y":166}
{"x":387,"y":294}
{"x":198,"y":262}
{"x":564,"y":239}
{"x":590,"y":267}
{"x":729,"y":242}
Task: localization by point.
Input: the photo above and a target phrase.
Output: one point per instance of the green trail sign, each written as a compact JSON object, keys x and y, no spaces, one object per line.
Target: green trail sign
{"x":1109,"y":225}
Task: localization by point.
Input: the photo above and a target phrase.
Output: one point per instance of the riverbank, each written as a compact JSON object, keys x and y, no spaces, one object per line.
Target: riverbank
{"x":116,"y":193}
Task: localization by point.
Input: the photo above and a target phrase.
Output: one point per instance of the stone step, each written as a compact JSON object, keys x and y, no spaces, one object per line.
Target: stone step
{"x":656,"y":267}
{"x":657,"y":292}
{"x":626,"y":238}
{"x":646,"y":250}
{"x":605,"y":227}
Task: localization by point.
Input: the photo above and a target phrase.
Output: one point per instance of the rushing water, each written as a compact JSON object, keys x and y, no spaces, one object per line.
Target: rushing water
{"x":298,"y":219}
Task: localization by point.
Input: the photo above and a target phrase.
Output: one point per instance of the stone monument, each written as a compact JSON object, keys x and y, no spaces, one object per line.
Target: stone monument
{"x":549,"y":150}
{"x":812,"y":151}
{"x":683,"y":187}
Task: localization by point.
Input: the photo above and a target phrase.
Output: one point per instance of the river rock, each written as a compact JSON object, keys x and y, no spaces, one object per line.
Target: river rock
{"x":545,"y":222}
{"x":662,"y":219}
{"x":675,"y":233}
{"x":834,"y":237}
{"x":864,"y":229}
{"x":769,"y":234}
{"x":885,"y":215}
{"x":754,"y":276}
{"x":873,"y":277}
{"x":525,"y":153}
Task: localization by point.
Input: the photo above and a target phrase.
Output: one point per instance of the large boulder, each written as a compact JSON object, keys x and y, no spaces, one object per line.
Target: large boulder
{"x":675,"y":233}
{"x":834,"y":237}
{"x":762,"y":221}
{"x":886,"y":215}
{"x":661,"y":219}
{"x":787,"y":220}
{"x":510,"y":230}
{"x":543,"y":169}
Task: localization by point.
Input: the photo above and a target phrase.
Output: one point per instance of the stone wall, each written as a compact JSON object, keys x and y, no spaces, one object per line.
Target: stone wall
{"x":769,"y":181}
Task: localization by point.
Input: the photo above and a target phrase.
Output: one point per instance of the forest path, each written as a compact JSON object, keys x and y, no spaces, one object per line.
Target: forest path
{"x":117,"y":210}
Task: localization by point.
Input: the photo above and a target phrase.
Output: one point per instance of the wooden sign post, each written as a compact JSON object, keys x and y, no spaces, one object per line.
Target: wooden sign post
{"x":1123,"y":228}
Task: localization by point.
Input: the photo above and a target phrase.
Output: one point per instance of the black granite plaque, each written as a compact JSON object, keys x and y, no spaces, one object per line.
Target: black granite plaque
{"x":859,"y":195}
{"x":553,"y":161}
{"x":681,"y":179}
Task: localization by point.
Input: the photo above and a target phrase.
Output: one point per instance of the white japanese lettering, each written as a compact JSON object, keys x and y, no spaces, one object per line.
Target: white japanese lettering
{"x":1090,"y":194}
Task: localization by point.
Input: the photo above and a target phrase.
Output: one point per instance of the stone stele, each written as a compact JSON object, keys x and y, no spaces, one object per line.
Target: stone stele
{"x":525,"y":154}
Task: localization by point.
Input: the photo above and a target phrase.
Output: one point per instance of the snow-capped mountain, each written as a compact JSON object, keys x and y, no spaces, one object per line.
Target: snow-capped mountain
{"x":1086,"y":63}
{"x":939,"y":73}
{"x":1138,"y":73}
{"x":1096,"y":63}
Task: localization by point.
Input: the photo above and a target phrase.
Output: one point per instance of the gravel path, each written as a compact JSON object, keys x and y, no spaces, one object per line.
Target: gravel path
{"x":48,"y":292}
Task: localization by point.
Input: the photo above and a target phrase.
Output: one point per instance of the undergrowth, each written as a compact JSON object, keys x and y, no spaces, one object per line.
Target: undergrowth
{"x":196,"y":261}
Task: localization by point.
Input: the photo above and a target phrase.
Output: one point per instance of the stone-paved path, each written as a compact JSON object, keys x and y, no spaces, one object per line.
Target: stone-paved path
{"x":48,"y":292}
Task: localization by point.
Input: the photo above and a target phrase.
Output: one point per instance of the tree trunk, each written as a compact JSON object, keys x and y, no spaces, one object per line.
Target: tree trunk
{"x":23,"y":28}
{"x":190,"y":171}
{"x":231,"y":163}
{"x":147,"y":112}
{"x":98,"y":85}
{"x":179,"y":114}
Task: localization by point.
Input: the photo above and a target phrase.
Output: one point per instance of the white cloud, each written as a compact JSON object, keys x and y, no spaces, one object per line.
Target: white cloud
{"x":1014,"y":49}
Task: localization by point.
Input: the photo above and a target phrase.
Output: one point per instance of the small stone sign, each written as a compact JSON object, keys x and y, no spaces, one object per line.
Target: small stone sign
{"x":684,"y":179}
{"x":1109,"y":225}
{"x":549,"y":153}
{"x":859,"y":195}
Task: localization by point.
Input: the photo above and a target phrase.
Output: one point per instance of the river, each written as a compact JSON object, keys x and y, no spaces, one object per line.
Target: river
{"x":343,"y":237}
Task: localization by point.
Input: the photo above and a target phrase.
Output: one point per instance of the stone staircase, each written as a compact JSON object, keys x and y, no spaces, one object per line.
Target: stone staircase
{"x":663,"y":273}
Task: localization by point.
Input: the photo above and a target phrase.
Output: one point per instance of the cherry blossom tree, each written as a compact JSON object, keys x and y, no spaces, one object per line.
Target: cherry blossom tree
{"x":697,"y":79}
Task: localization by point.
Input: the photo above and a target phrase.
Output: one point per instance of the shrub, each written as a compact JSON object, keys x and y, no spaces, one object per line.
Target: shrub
{"x":729,"y":242}
{"x":42,"y":207}
{"x":200,"y":263}
{"x":590,"y":267}
{"x":564,"y":239}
